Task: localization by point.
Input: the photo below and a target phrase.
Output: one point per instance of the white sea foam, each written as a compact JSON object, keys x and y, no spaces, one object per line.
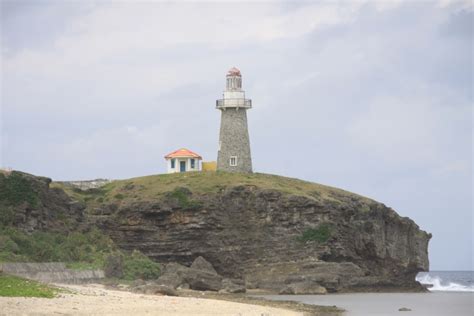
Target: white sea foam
{"x":437,"y":284}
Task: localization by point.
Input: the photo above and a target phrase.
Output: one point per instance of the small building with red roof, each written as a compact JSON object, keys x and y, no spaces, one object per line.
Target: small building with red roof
{"x":183,"y":160}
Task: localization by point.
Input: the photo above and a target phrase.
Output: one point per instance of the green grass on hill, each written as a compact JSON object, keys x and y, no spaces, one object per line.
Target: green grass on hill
{"x":150,"y":187}
{"x":13,"y":286}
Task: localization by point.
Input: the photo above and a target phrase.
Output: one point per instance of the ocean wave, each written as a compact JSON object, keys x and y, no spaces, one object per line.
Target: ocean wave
{"x":436,"y":284}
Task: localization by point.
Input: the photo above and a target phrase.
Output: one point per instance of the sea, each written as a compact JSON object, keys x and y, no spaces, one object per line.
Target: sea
{"x":451,"y":293}
{"x":447,"y":281}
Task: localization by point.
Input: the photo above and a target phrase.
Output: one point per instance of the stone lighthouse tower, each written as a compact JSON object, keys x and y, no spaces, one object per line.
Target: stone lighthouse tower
{"x":234,"y":144}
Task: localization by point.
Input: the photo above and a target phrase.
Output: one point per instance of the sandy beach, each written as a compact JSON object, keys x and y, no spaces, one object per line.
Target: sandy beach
{"x":388,"y":304}
{"x":96,"y":300}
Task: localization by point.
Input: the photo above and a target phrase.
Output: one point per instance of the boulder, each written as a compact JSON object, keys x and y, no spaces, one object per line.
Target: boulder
{"x":173,"y":267}
{"x":170,"y":276}
{"x":303,"y":288}
{"x":201,"y":280}
{"x":176,"y":275}
{"x":170,"y":279}
{"x":201,"y":264}
{"x":232,"y":286}
{"x":155,"y":289}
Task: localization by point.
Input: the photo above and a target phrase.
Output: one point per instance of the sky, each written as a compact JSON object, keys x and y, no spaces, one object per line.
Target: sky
{"x":374,"y":97}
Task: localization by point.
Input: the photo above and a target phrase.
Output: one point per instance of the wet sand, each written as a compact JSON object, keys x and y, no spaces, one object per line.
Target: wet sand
{"x":387,"y":304}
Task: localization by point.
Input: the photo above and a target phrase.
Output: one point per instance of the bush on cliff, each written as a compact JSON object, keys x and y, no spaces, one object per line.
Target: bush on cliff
{"x":319,"y":234}
{"x":16,"y":189}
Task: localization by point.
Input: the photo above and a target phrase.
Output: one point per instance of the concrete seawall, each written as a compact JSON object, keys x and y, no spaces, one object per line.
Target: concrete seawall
{"x":51,"y":272}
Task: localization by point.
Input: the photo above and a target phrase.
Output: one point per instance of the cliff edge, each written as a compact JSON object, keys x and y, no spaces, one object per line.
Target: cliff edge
{"x":275,"y":233}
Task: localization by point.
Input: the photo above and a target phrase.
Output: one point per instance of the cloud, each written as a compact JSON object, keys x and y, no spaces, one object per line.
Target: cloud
{"x":371,"y":96}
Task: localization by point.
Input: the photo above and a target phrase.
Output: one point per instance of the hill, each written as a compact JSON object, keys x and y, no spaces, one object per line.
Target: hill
{"x":268,"y":230}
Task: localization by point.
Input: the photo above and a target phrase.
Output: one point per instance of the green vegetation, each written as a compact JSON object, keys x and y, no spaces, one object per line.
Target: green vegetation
{"x":15,"y":286}
{"x":89,"y":248}
{"x":150,"y":187}
{"x":319,"y":234}
{"x":78,"y":250}
{"x":16,"y":189}
{"x":182,"y":196}
{"x":139,"y":266}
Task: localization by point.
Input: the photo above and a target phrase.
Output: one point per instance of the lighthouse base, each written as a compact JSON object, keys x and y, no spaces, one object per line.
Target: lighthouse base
{"x":234,"y":145}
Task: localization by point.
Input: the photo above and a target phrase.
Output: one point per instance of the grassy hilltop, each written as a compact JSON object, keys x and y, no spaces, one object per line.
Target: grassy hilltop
{"x":148,"y":188}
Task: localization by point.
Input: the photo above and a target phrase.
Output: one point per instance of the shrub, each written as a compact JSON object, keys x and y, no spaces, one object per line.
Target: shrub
{"x":89,"y":247}
{"x":87,"y":250}
{"x":7,"y":215}
{"x":16,"y":189}
{"x":139,"y":266}
{"x":181,"y":195}
{"x":319,"y":234}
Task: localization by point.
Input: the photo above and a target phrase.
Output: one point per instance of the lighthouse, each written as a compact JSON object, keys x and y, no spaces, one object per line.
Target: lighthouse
{"x":233,"y":154}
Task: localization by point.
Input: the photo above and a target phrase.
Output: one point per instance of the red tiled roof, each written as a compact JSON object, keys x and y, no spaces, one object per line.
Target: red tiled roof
{"x":233,"y":72}
{"x":182,"y":153}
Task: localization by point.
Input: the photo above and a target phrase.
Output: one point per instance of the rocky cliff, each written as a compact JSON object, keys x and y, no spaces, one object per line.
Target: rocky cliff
{"x":270,"y":231}
{"x":29,"y":203}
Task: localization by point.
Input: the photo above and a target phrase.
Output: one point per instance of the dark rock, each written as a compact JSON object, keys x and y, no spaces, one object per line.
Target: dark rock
{"x":252,"y":233}
{"x":201,"y":280}
{"x":170,"y":279}
{"x":201,"y":264}
{"x":303,"y":288}
{"x":113,"y":267}
{"x":232,"y":286}
{"x":39,"y":207}
{"x":154,"y":289}
{"x":176,"y":275}
{"x":174,"y":267}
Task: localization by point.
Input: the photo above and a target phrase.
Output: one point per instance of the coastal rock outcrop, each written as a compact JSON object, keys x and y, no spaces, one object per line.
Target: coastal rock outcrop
{"x":271,"y":238}
{"x":271,"y":232}
{"x":31,"y":204}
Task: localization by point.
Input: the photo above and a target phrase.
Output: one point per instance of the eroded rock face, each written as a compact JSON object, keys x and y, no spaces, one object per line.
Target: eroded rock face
{"x":30,"y":204}
{"x":255,"y":234}
{"x":246,"y":233}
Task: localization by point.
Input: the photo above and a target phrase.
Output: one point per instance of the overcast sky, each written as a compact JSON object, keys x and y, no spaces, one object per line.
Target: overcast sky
{"x":372,"y":97}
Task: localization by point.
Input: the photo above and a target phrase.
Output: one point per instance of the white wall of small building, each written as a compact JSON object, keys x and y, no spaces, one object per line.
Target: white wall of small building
{"x":197,"y":164}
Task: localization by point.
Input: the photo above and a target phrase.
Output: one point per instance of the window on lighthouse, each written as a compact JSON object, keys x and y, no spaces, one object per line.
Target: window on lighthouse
{"x":233,"y":161}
